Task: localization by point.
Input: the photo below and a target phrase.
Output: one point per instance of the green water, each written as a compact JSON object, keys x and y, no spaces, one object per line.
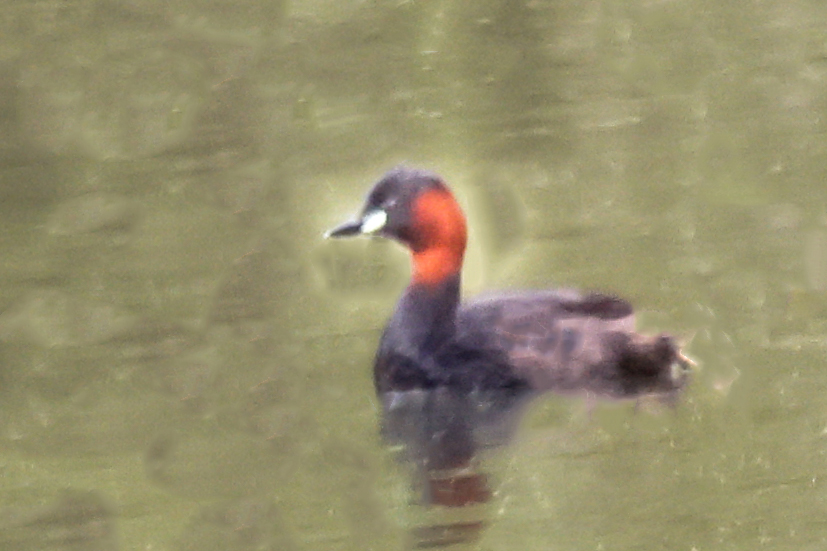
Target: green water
{"x":185,"y":363}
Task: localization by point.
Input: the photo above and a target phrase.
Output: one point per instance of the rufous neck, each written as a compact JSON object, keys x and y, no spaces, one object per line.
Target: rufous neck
{"x":435,"y":265}
{"x":440,"y":235}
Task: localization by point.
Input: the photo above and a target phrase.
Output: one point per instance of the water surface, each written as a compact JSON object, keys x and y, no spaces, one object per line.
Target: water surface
{"x":185,"y":363}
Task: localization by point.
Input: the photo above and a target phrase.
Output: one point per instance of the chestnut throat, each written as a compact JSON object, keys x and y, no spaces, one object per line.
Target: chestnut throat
{"x":438,"y":238}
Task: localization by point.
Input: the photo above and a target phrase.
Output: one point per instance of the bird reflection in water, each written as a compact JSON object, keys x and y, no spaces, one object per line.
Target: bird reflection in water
{"x":442,"y":434}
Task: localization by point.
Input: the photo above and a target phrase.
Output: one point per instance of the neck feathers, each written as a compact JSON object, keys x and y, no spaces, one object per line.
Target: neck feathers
{"x":440,"y":237}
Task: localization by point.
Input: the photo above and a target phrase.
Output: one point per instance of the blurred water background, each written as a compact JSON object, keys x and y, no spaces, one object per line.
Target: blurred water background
{"x":185,"y":363}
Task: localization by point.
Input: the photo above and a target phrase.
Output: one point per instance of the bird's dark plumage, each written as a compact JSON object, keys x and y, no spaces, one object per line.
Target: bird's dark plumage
{"x":561,"y":341}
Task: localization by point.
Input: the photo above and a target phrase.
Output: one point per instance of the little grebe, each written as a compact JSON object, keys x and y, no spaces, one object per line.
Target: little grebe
{"x":519,"y":342}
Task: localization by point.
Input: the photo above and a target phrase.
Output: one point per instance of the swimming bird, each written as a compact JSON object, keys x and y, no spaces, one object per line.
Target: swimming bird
{"x":516,"y":342}
{"x":453,"y":376}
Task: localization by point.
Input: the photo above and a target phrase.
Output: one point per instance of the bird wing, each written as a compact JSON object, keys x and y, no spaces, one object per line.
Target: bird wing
{"x":556,"y":340}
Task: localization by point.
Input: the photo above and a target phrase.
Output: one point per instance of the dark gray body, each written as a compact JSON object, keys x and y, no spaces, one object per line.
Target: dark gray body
{"x":558,"y":341}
